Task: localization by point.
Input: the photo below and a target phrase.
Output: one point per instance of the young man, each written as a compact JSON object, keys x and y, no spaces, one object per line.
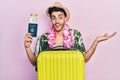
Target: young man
{"x":60,"y":34}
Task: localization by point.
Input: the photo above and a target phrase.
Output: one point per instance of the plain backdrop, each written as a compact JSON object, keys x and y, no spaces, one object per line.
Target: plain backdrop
{"x":90,"y":17}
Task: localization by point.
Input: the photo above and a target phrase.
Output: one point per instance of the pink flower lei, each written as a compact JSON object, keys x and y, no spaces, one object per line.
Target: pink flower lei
{"x":66,"y":34}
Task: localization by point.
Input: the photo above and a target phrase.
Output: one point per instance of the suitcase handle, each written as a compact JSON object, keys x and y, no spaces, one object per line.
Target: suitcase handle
{"x":60,"y":48}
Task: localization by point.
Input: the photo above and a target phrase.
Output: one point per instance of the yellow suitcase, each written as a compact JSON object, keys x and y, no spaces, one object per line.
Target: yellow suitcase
{"x":60,"y":65}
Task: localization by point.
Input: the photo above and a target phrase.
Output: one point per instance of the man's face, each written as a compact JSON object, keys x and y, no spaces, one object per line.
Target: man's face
{"x":58,"y":19}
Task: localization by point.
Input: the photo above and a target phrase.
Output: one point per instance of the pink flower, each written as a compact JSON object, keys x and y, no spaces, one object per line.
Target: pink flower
{"x":66,"y":34}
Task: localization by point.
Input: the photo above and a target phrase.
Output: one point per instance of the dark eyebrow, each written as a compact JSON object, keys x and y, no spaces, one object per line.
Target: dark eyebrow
{"x":52,"y":16}
{"x":60,"y":15}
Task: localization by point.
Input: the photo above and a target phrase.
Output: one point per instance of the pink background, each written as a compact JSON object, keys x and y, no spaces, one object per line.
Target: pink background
{"x":90,"y":17}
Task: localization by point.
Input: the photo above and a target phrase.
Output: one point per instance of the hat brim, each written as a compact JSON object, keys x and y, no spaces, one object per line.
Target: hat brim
{"x":58,"y":4}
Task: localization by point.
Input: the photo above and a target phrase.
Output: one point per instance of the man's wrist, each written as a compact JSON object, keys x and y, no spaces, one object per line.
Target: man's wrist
{"x":96,"y":42}
{"x":27,"y":47}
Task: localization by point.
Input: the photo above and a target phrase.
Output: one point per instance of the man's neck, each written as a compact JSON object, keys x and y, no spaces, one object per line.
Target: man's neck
{"x":60,"y":33}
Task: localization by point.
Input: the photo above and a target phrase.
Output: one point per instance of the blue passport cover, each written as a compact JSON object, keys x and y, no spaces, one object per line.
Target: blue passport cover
{"x":32,"y":28}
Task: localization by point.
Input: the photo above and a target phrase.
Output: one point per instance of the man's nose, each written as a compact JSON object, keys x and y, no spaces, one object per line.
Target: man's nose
{"x":57,"y":21}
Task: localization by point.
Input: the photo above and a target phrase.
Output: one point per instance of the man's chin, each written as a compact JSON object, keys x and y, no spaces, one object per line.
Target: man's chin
{"x":57,"y":30}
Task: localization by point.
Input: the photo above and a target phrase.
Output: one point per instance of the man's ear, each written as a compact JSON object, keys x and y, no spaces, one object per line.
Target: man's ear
{"x":50,"y":18}
{"x":65,"y":19}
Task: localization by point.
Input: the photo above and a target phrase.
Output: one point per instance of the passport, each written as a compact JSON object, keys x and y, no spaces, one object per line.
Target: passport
{"x":32,"y":28}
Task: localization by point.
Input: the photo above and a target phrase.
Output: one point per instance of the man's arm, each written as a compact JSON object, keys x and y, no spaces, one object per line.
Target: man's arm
{"x":31,"y":56}
{"x":27,"y":43}
{"x":88,"y":54}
